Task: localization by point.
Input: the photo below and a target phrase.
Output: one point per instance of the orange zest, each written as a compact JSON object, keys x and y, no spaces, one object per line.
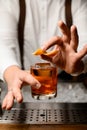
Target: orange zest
{"x":50,"y":53}
{"x":38,"y":52}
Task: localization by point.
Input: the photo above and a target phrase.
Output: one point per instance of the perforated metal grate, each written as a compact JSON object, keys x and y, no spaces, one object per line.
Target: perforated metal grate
{"x":46,"y":114}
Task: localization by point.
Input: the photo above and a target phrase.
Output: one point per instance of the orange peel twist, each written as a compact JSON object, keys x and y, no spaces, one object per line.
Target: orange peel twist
{"x":42,"y":52}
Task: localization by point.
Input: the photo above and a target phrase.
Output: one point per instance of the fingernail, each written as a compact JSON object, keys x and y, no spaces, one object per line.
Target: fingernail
{"x":43,"y":47}
{"x":19,"y":99}
{"x":38,"y":86}
{"x":8,"y":107}
{"x":3,"y":107}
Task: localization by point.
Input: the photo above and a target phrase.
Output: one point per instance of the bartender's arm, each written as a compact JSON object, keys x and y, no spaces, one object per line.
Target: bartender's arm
{"x":10,"y":69}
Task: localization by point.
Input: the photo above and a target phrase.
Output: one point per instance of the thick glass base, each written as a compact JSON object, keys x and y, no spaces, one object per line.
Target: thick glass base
{"x":44,"y":96}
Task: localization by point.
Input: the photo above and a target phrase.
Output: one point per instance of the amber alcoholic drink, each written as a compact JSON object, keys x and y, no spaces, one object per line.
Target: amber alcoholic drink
{"x":46,"y":74}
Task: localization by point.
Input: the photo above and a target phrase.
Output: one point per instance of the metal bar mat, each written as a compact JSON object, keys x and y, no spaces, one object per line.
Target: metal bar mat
{"x":46,"y":113}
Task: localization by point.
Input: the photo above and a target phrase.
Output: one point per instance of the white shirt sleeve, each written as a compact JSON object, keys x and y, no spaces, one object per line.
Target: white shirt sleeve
{"x":8,"y":35}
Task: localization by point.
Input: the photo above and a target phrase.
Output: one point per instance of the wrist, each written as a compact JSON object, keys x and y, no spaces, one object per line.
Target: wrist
{"x":80,"y":70}
{"x":10,"y":71}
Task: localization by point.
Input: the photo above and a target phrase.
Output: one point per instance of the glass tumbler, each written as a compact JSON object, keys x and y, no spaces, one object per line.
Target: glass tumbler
{"x":46,"y":74}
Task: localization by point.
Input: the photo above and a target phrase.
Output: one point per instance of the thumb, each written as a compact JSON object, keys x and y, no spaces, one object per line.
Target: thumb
{"x":82,"y":52}
{"x":28,"y":78}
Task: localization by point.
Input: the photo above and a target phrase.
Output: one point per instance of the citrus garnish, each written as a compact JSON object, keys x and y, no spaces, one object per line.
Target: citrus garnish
{"x":38,"y":52}
{"x":50,"y":53}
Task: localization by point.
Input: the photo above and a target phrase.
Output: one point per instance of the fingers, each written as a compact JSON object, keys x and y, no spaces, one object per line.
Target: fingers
{"x":47,"y":58}
{"x":28,"y":78}
{"x":56,"y":40}
{"x":9,"y":98}
{"x":53,"y":41}
{"x":8,"y":101}
{"x":12,"y":94}
{"x":74,"y":38}
{"x":65,"y":30}
{"x":17,"y":94}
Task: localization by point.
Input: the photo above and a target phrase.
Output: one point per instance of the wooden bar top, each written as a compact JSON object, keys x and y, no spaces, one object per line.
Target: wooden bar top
{"x":42,"y":127}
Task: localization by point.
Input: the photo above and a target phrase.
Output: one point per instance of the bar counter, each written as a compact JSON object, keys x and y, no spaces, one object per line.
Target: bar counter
{"x":42,"y":127}
{"x":67,"y":92}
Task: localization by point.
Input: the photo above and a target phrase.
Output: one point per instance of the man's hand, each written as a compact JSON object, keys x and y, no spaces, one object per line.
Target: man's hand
{"x":67,"y":58}
{"x":15,"y":77}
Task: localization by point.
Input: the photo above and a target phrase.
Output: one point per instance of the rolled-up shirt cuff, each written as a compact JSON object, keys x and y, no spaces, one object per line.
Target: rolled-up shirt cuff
{"x":77,"y":73}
